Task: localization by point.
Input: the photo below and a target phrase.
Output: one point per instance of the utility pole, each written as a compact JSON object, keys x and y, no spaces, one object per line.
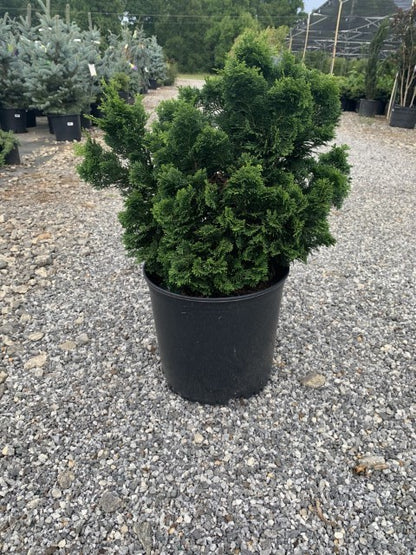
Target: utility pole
{"x":306,"y":37}
{"x":334,"y":50}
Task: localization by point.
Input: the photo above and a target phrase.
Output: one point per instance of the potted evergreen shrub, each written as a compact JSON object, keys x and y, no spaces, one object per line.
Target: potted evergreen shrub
{"x":157,"y":70}
{"x":126,"y":55}
{"x":404,"y":32}
{"x":351,"y":89}
{"x":9,"y":148}
{"x":13,"y":94}
{"x":228,"y":187}
{"x":121,"y":83}
{"x":57,"y":78}
{"x":90,"y":55}
{"x":368,"y":105}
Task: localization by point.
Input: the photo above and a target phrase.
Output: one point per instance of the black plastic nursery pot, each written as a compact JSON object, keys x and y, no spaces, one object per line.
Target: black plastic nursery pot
{"x":13,"y":119}
{"x":50,"y":124}
{"x":348,"y":105}
{"x":95,"y":110}
{"x":66,"y":127}
{"x":30,"y":118}
{"x":85,"y":121}
{"x":13,"y":157}
{"x":381,"y":107}
{"x":216,"y":349}
{"x":367,"y":108}
{"x":403,"y":116}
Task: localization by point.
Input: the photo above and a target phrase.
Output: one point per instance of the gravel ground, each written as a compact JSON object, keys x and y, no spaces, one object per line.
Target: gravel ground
{"x":98,"y":456}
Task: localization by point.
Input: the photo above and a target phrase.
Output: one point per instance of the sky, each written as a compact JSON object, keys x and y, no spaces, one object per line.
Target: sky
{"x":312,"y":4}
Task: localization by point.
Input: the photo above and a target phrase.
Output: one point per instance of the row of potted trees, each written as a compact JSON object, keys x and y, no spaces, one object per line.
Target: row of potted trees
{"x":369,"y":84}
{"x":403,"y":112}
{"x":58,"y":69}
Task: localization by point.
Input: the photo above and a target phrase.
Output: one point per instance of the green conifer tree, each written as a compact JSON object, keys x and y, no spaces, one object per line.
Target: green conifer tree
{"x":13,"y":91}
{"x":57,"y":76}
{"x":231,"y":183}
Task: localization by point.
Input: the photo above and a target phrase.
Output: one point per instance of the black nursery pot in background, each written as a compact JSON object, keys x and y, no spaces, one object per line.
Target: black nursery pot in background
{"x":13,"y":119}
{"x":95,"y":110}
{"x":367,"y":108}
{"x":403,"y":116}
{"x":30,"y":118}
{"x":348,"y":105}
{"x":85,"y":121}
{"x":216,"y":349}
{"x":66,"y":128}
{"x":13,"y":157}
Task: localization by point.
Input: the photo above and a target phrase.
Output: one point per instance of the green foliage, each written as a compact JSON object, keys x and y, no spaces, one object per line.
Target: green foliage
{"x":221,"y":34}
{"x":231,"y":182}
{"x":157,"y":62}
{"x":121,"y":81}
{"x":136,"y":57}
{"x":353,"y":85}
{"x":7,"y":142}
{"x":197,"y":34}
{"x":57,"y":75}
{"x":13,"y":93}
{"x":171,"y":73}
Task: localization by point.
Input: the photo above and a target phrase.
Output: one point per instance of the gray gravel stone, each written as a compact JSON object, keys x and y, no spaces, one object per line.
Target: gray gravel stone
{"x":109,"y":502}
{"x":313,"y":380}
{"x":65,"y":479}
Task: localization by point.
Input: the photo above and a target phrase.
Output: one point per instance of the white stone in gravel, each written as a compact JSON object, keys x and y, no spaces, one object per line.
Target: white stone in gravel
{"x":371,"y":461}
{"x":41,"y":272}
{"x":7,"y":451}
{"x":109,"y":502}
{"x":3,"y":264}
{"x":339,"y":534}
{"x":33,"y":503}
{"x":3,"y":376}
{"x":56,"y":493}
{"x":36,"y":336}
{"x":198,"y":438}
{"x":82,"y":339}
{"x":36,"y":362}
{"x":21,"y":289}
{"x":68,"y":345}
{"x":25,"y":318}
{"x":313,"y":380}
{"x":65,"y":479}
{"x":43,"y":260}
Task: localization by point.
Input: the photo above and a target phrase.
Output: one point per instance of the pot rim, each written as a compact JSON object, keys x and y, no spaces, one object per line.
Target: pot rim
{"x":232,"y":298}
